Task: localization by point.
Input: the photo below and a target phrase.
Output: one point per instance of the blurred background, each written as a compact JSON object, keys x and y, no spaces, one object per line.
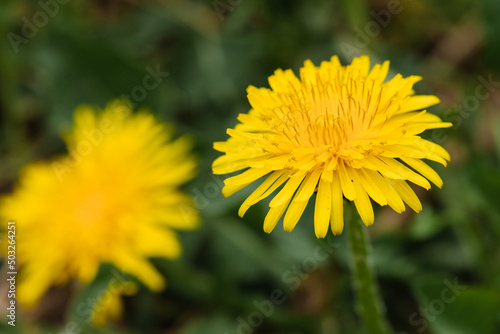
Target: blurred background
{"x":439,"y":270}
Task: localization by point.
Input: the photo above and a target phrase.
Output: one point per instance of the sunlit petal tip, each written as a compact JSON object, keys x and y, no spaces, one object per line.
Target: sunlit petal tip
{"x":369,"y":222}
{"x":251,"y":88}
{"x":242,"y":210}
{"x":415,"y":78}
{"x":432,"y":99}
{"x":308,"y":62}
{"x":321,"y":234}
{"x":226,"y":191}
{"x":398,"y":210}
{"x":337,"y":231}
{"x":219,"y":146}
{"x":268,"y":226}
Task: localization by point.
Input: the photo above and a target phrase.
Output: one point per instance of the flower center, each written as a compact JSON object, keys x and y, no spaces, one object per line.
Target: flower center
{"x":90,"y":209}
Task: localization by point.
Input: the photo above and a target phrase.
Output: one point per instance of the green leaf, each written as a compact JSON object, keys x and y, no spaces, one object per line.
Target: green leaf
{"x":215,"y":324}
{"x":426,"y":224}
{"x":448,"y":306}
{"x":243,"y":245}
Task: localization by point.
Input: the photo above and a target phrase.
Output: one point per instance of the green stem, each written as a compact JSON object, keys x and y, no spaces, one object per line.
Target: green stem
{"x":370,"y":305}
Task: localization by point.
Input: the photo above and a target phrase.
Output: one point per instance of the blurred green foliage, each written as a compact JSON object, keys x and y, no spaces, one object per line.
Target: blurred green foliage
{"x":92,"y":51}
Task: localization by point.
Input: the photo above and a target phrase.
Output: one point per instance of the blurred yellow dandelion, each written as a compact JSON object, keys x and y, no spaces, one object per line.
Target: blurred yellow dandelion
{"x":340,"y":131}
{"x":117,"y":202}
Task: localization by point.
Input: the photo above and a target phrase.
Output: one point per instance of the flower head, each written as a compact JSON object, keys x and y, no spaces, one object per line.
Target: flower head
{"x":339,"y":131}
{"x":114,"y":199}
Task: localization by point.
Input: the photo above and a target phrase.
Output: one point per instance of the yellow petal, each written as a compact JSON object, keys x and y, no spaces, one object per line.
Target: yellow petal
{"x":407,"y":194}
{"x":435,"y":149}
{"x":371,"y":187}
{"x":257,"y":194}
{"x":405,"y":172}
{"x":274,"y":215}
{"x":158,"y":242}
{"x":379,"y":72}
{"x":393,"y":198}
{"x":425,"y":170}
{"x":337,"y":213}
{"x":238,"y":182}
{"x":140,"y":268}
{"x":322,"y":209}
{"x":362,"y":63}
{"x":309,"y":185}
{"x":346,"y":183}
{"x":397,"y":151}
{"x":288,"y":190}
{"x":32,"y":287}
{"x":252,"y":121}
{"x":374,"y":163}
{"x":282,"y":179}
{"x":363,"y":204}
{"x":294,"y":213}
{"x":283,"y":81}
{"x":419,"y":102}
{"x":301,"y":199}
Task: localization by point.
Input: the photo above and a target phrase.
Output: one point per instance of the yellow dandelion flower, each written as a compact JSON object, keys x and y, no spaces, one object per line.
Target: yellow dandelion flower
{"x":114,"y":199}
{"x":339,"y":131}
{"x":109,"y":306}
